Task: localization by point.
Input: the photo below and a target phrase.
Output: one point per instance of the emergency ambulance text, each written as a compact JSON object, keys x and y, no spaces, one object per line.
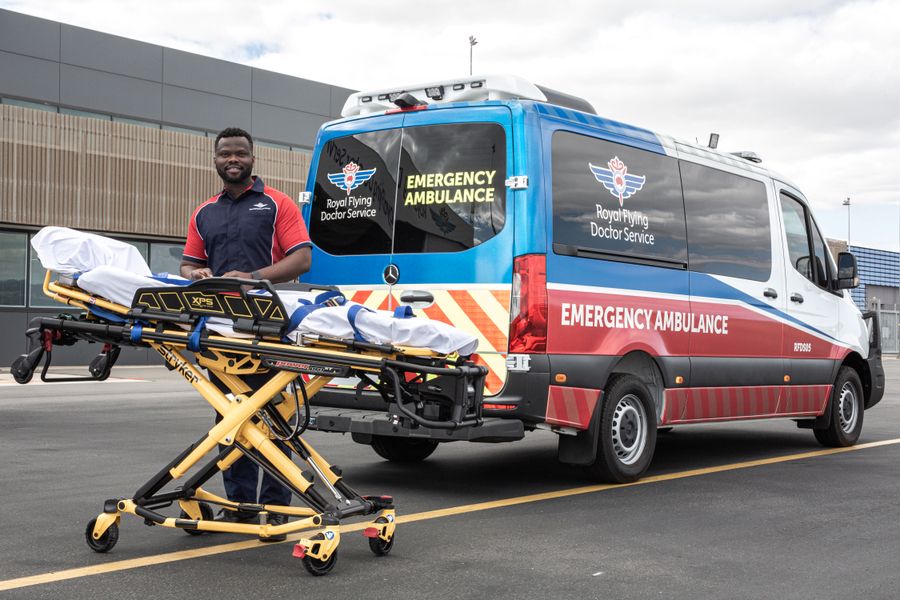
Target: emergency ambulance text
{"x":622,"y":317}
{"x":471,"y":186}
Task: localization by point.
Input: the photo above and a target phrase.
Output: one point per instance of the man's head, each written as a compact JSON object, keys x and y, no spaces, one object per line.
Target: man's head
{"x":234,"y":155}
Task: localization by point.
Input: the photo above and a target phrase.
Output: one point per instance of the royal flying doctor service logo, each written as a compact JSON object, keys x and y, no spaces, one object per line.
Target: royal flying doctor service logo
{"x":617,"y":180}
{"x":351,"y":177}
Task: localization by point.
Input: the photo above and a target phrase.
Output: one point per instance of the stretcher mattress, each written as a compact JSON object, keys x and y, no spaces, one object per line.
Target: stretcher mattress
{"x":115,"y":270}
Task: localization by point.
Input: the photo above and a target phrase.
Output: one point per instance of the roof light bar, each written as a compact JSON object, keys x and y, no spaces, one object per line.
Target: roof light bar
{"x":464,"y":89}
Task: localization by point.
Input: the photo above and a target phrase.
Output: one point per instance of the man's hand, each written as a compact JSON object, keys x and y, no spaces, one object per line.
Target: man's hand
{"x":238,"y":274}
{"x":202,"y":273}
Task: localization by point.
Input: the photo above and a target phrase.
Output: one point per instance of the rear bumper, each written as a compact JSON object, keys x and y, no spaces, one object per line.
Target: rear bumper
{"x":364,"y":424}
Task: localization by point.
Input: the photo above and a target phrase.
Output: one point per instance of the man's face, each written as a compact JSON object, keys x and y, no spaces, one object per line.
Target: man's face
{"x":234,"y":159}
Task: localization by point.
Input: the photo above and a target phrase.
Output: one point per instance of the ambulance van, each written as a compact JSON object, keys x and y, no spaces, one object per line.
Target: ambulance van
{"x":620,"y":282}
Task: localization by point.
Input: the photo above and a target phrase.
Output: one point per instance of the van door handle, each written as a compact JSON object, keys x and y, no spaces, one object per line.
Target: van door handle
{"x":795,"y":297}
{"x":770,"y":293}
{"x":417,"y":297}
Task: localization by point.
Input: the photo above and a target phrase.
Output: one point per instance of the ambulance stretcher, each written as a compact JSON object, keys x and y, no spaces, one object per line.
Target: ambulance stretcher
{"x":421,"y":387}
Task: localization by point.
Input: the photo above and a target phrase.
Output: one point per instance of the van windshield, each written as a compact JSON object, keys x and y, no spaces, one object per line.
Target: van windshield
{"x":433,"y":188}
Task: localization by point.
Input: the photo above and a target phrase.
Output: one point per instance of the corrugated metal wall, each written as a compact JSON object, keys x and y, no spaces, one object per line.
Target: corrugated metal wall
{"x":115,"y":177}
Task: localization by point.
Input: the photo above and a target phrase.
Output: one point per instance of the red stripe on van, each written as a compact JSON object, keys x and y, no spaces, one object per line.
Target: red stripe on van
{"x":695,"y":405}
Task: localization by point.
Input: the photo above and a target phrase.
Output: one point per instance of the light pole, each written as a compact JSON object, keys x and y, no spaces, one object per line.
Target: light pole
{"x":472,"y":42}
{"x":847,"y":204}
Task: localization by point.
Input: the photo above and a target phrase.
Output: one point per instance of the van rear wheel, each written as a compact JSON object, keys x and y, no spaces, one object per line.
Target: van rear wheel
{"x":407,"y":450}
{"x":847,"y":409}
{"x":627,"y":431}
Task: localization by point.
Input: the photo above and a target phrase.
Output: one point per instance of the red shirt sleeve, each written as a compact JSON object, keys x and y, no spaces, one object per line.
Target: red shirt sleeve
{"x":194,"y":248}
{"x":290,"y":230}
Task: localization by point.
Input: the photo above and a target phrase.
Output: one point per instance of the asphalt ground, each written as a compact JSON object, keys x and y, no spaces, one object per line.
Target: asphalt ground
{"x":739,"y":510}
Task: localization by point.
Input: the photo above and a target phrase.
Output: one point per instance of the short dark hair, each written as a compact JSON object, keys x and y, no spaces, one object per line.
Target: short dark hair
{"x":229,"y":132}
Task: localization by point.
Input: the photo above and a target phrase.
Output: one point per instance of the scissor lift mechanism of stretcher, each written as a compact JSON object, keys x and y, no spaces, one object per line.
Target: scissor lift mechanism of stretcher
{"x":422,"y":389}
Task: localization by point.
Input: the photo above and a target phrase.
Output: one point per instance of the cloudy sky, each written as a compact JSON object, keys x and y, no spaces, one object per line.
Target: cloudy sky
{"x":812,"y":86}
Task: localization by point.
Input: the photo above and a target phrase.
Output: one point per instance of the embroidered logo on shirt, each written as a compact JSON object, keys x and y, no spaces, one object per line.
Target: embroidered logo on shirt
{"x":261,"y":206}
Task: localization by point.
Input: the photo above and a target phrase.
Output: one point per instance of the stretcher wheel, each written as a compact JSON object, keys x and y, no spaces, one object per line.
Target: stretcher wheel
{"x":318,"y":567}
{"x":19,"y":372}
{"x":106,"y":541}
{"x":379,"y":547}
{"x":206,"y":514}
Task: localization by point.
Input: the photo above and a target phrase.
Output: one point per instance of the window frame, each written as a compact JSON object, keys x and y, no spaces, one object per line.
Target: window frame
{"x":811,"y":225}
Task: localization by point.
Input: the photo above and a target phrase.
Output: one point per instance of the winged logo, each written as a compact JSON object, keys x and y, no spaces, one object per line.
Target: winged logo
{"x":617,"y":180}
{"x":351,"y":177}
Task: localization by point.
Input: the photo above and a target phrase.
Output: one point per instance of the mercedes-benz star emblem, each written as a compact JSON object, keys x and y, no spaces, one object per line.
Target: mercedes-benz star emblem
{"x":391,"y":274}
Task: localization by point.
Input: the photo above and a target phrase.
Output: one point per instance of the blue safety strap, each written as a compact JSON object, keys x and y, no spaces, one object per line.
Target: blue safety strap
{"x":302,"y":312}
{"x":106,"y":315}
{"x":136,"y":331}
{"x":325,"y":296}
{"x":351,"y":317}
{"x":403,"y":312}
{"x":164,"y":278}
{"x":194,"y":339}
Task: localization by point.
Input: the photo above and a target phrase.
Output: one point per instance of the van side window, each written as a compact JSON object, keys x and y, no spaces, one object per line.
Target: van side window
{"x":727,"y":223}
{"x":616,"y":200}
{"x":814,"y":265}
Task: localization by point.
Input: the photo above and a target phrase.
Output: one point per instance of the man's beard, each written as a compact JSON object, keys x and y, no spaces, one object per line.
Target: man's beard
{"x":243,"y":175}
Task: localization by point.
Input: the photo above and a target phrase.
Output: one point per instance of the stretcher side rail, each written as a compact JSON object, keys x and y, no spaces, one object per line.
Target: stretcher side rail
{"x":420,"y":390}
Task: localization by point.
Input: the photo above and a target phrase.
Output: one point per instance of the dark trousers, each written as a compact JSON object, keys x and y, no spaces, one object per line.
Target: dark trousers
{"x":242,"y":477}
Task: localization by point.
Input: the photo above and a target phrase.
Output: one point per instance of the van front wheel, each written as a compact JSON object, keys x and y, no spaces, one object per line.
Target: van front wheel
{"x":627,"y":435}
{"x":847,"y":406}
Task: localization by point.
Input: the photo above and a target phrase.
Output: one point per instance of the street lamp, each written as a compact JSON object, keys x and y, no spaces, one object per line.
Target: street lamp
{"x":847,"y":204}
{"x":472,"y":42}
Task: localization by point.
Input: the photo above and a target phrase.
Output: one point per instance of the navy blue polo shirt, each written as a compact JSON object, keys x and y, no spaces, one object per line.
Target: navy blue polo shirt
{"x":247,"y":233}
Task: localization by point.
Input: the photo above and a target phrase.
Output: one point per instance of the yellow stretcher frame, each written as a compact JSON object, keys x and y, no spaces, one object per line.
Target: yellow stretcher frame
{"x":243,"y":430}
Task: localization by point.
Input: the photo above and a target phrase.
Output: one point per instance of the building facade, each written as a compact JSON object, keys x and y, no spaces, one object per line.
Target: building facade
{"x":115,"y":136}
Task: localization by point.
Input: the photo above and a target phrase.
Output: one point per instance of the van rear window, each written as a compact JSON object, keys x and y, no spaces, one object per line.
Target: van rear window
{"x":434,"y":188}
{"x":615,"y":199}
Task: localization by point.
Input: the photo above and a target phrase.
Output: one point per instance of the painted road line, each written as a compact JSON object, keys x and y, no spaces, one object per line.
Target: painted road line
{"x":158,"y":559}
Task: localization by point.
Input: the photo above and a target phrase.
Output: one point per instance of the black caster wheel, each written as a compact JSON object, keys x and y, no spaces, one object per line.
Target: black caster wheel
{"x":318,"y":567}
{"x":106,"y":541}
{"x":20,"y":374}
{"x":379,"y":547}
{"x":206,"y":514}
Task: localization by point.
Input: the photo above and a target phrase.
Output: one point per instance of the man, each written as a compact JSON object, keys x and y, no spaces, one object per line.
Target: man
{"x":251,"y":231}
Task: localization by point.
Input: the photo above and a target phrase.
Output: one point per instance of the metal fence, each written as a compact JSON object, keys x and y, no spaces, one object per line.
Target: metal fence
{"x":889,"y":319}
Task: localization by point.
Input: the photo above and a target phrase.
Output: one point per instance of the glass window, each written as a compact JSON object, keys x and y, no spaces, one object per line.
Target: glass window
{"x":794,"y":216}
{"x":616,"y":199}
{"x":84,"y":113}
{"x":166,"y":258}
{"x":36,"y":274}
{"x":186,"y":130}
{"x":27,"y":104}
{"x":823,"y":256}
{"x":727,"y":223}
{"x":353,"y":202}
{"x":452,"y":193}
{"x":148,"y":124}
{"x":13,"y":265}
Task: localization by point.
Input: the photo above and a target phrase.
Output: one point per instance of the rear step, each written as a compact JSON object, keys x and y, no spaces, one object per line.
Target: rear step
{"x":363,"y":424}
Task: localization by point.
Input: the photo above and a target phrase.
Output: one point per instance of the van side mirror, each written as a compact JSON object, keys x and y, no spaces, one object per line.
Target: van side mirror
{"x":848,"y":274}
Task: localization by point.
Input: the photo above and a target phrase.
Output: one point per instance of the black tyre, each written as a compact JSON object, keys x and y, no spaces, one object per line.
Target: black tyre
{"x":20,"y":374}
{"x":106,"y":541}
{"x":378,"y":546}
{"x":847,"y":409}
{"x":406,"y":450}
{"x":206,"y":514}
{"x":318,"y":567}
{"x":627,"y":431}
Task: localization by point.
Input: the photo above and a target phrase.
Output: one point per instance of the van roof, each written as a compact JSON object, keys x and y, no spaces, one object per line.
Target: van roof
{"x":480,"y":88}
